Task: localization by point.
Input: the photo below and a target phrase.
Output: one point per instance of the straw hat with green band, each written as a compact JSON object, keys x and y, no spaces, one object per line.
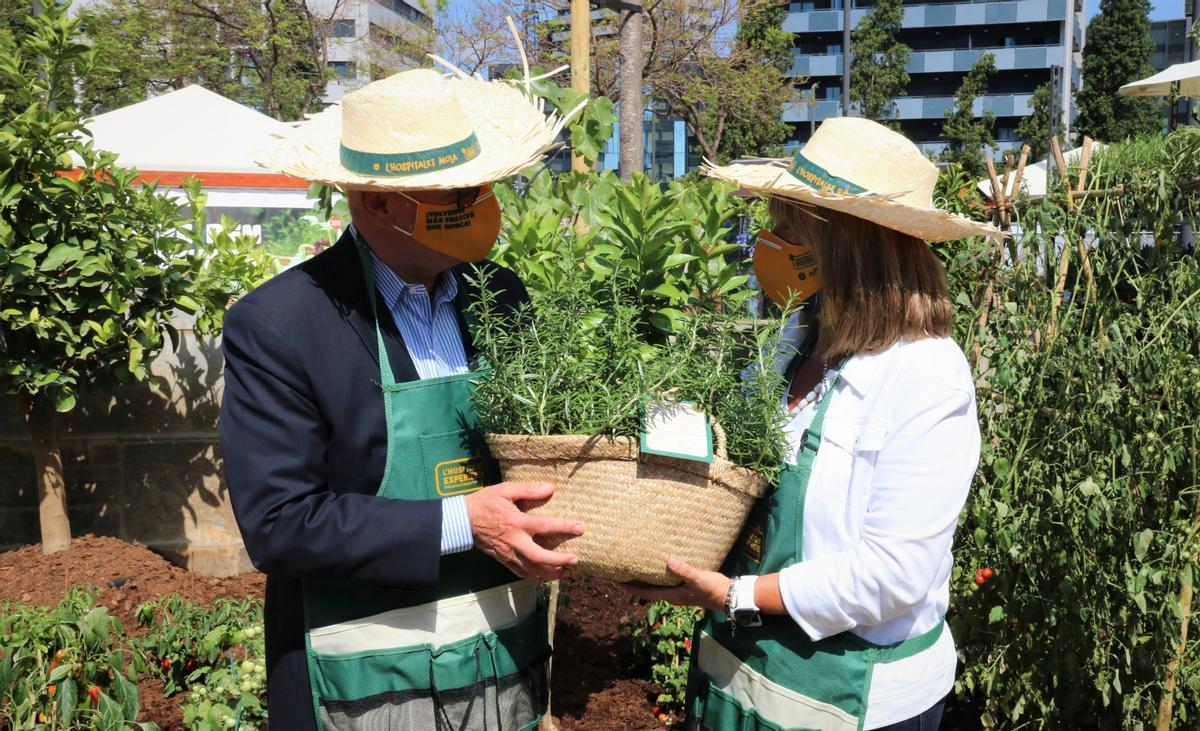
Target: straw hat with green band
{"x":861,"y":168}
{"x":419,"y":130}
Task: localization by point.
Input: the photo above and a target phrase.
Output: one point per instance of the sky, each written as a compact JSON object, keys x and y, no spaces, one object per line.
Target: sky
{"x":1163,"y":9}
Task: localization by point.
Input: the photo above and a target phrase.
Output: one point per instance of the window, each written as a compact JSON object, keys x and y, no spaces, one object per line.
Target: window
{"x":342,"y":28}
{"x":343,"y":69}
{"x":406,"y":11}
{"x":833,"y":48}
{"x":833,"y":91}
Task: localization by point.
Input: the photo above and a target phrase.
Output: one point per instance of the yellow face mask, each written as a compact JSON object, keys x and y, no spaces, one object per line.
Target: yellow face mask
{"x":787,"y":273}
{"x":467,"y":233}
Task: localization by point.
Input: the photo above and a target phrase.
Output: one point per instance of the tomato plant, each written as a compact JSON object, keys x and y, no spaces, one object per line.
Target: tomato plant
{"x":664,"y":640}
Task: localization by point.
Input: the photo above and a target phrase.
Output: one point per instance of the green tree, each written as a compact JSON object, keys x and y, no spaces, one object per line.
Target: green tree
{"x":718,"y":65}
{"x":269,"y":55}
{"x":92,"y":267}
{"x":966,"y":135}
{"x":1118,"y":51}
{"x":878,"y":60}
{"x":760,"y":36}
{"x":1034,"y":128}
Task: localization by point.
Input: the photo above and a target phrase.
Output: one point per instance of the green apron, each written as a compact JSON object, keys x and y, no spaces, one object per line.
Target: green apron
{"x":774,"y":676}
{"x":467,"y":654}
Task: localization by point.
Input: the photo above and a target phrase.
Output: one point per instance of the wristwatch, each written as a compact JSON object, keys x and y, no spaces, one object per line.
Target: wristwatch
{"x":739,"y":603}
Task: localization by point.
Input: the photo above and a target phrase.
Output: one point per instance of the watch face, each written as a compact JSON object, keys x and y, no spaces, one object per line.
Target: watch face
{"x":747,"y":617}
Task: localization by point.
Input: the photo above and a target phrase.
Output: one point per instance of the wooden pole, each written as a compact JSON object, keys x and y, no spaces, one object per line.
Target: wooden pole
{"x":1167,"y":702}
{"x":581,"y":72}
{"x":632,"y":148}
{"x":847,"y":7}
{"x":999,"y":194}
{"x":1085,"y":259}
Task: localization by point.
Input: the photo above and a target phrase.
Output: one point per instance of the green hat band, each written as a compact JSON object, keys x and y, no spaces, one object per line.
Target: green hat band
{"x":815,"y":176}
{"x":399,"y":164}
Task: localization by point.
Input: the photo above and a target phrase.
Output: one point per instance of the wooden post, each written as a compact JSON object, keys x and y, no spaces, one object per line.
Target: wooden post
{"x":1167,"y":702}
{"x":581,"y":72}
{"x":632,"y":149}
{"x":999,"y":194}
{"x":1016,"y":189}
{"x":1085,"y":259}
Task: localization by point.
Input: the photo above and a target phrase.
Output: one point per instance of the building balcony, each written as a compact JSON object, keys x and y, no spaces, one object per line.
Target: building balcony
{"x":936,"y":16}
{"x":925,"y":62}
{"x":915,"y":107}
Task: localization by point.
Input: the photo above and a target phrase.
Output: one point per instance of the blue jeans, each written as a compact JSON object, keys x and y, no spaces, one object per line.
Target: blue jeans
{"x":927,"y":721}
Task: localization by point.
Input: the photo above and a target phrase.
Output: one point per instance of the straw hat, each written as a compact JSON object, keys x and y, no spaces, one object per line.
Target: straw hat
{"x":861,"y":168}
{"x":416,"y":130}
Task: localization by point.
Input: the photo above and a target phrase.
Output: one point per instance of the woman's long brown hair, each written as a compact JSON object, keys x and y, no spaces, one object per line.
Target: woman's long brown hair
{"x":878,"y":285}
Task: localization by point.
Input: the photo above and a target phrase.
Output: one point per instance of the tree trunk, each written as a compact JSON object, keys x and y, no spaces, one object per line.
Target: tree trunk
{"x":632,"y":151}
{"x":42,"y":422}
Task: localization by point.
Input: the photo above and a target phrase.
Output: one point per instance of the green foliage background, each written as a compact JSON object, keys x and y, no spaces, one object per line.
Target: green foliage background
{"x":93,"y":268}
{"x":967,"y":136}
{"x":878,"y":63}
{"x":1086,"y":498}
{"x":1117,"y":51}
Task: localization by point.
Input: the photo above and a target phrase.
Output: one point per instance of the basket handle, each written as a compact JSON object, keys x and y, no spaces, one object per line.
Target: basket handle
{"x":719,"y":440}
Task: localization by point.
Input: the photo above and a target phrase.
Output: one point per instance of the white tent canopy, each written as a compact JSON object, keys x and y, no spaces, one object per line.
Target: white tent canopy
{"x":1033,"y":179}
{"x":1185,"y":75}
{"x":194,"y":132}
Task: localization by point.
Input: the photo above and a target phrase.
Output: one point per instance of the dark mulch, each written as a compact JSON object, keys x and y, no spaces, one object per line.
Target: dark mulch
{"x":597,"y":683}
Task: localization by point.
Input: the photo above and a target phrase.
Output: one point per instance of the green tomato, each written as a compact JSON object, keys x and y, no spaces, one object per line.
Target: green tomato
{"x":246,"y":667}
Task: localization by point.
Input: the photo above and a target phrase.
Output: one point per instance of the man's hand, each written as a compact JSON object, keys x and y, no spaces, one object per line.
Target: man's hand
{"x":506,"y":534}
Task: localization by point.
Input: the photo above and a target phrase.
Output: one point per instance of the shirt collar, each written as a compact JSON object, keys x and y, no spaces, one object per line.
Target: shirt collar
{"x":860,"y":371}
{"x":394,"y":288}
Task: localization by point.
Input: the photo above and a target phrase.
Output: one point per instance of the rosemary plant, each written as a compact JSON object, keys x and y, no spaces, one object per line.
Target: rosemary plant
{"x":582,"y":360}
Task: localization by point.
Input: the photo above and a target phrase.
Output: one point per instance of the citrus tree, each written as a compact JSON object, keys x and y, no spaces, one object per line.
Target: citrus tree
{"x":92,"y":266}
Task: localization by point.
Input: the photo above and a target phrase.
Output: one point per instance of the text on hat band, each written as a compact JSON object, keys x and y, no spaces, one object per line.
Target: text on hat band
{"x":818,"y":177}
{"x":397,"y":164}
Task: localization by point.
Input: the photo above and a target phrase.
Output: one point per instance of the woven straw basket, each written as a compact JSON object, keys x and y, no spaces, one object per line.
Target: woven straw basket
{"x":636,"y":509}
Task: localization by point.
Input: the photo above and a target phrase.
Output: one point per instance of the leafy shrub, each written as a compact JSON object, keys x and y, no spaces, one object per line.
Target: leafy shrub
{"x":66,"y":667}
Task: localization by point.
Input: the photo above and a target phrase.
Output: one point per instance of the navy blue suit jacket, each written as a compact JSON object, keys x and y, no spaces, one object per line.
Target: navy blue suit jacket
{"x":304,"y":444}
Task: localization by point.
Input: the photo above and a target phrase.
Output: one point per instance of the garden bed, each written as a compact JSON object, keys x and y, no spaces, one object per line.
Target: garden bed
{"x":596,"y":683}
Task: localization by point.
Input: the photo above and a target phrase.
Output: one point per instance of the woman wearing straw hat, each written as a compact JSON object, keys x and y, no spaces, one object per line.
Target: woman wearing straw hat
{"x":394,"y":566}
{"x":829,"y":612}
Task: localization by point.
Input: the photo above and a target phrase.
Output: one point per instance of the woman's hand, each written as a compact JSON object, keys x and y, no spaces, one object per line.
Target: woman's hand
{"x":705,"y":589}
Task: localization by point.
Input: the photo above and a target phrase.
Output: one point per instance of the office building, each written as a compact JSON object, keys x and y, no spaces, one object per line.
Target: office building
{"x":1170,"y":42}
{"x":364,"y":37}
{"x":1027,"y":38}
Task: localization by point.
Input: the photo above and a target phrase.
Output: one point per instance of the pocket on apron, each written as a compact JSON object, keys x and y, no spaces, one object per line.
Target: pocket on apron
{"x":487,"y":681}
{"x":456,"y":462}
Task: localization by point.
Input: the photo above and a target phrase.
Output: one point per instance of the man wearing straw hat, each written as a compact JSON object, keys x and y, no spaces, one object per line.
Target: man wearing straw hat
{"x":398,"y":592}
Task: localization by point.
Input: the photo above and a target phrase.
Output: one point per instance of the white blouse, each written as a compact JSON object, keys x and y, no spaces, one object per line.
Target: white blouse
{"x":899,"y":448}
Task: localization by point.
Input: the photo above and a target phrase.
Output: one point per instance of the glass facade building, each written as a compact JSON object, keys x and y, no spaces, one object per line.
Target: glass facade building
{"x":1027,"y":38}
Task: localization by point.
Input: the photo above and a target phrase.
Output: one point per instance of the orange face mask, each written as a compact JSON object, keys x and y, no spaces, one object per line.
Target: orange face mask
{"x":787,"y":273}
{"x":467,"y":233}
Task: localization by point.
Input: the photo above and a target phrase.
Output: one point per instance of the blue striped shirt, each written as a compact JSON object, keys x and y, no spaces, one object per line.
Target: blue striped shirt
{"x":429,"y":327}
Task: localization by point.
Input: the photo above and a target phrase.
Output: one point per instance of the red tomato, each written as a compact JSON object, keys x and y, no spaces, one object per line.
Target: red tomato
{"x":979,"y":580}
{"x":988,"y":573}
{"x":94,"y":693}
{"x":166,"y":663}
{"x":687,"y":645}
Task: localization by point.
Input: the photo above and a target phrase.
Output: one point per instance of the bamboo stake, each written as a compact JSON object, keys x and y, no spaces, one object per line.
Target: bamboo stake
{"x":1000,"y":195}
{"x":1085,"y":260}
{"x":1166,"y":704}
{"x":1085,"y":157}
{"x":1016,"y":194}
